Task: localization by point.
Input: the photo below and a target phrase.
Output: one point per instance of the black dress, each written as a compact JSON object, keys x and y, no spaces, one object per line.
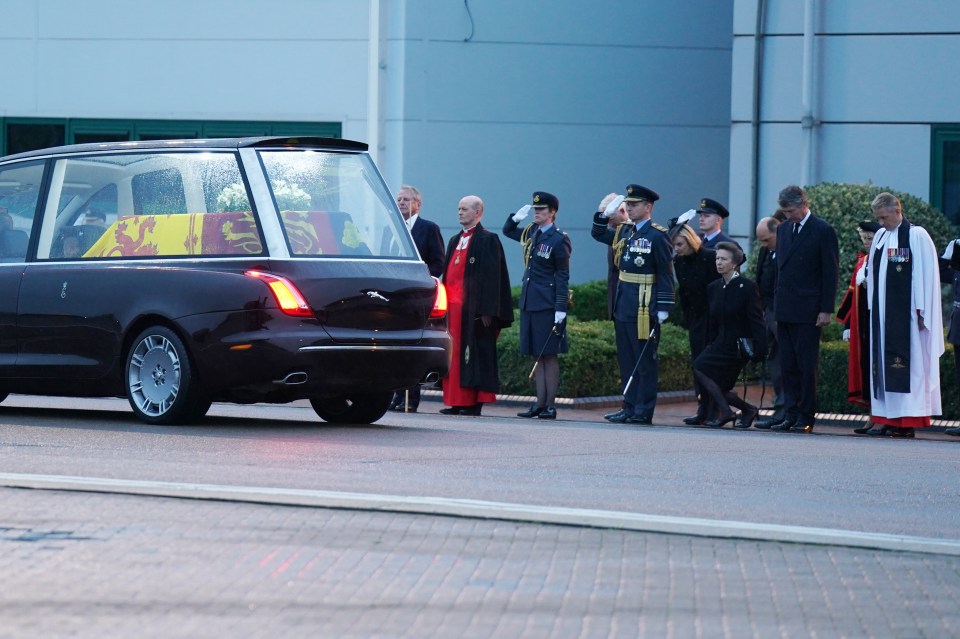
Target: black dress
{"x":734,"y":312}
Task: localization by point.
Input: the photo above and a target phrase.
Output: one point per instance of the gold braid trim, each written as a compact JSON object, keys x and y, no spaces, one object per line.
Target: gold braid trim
{"x":526,"y":240}
{"x":618,"y":244}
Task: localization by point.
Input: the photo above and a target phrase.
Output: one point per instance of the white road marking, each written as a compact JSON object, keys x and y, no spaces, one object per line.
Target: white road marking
{"x":526,"y":513}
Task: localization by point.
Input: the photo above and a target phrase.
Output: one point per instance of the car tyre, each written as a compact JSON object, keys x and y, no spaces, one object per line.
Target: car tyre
{"x":361,"y":408}
{"x":162,"y":387}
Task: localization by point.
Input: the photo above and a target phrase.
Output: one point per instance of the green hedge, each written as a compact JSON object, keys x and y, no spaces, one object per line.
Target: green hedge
{"x":590,"y":368}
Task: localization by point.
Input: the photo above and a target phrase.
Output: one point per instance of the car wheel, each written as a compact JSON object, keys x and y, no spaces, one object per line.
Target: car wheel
{"x":161,"y":385}
{"x":353,"y":409}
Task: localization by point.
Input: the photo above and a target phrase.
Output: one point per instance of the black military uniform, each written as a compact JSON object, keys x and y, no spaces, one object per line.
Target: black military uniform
{"x":644,"y":254}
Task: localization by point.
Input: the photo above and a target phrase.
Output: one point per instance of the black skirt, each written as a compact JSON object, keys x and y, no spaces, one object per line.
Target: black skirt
{"x":721,"y":362}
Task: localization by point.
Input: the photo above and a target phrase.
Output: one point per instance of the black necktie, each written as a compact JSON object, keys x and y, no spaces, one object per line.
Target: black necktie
{"x":796,"y":229}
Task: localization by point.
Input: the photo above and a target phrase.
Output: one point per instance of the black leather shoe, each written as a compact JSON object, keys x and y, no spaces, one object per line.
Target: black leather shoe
{"x":618,"y":418}
{"x":804,"y":428}
{"x":783,"y":426}
{"x":718,"y":422}
{"x":616,"y":414}
{"x":533,"y":411}
{"x":903,"y":433}
{"x":747,"y":417}
{"x":637,"y":419}
{"x":879,"y":431}
{"x":863,"y":429}
{"x":953,"y":431}
{"x":693,"y":420}
{"x":764,"y":423}
{"x":548,"y":413}
{"x":472,"y":411}
{"x":453,"y":410}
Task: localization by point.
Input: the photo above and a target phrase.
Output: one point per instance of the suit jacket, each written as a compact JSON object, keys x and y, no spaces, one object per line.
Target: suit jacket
{"x":429,"y":241}
{"x":766,"y":276}
{"x":719,"y":237}
{"x":807,"y":268}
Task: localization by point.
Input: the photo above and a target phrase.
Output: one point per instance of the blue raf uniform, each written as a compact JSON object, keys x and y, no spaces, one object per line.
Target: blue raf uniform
{"x":646,"y":286}
{"x":545,"y":287}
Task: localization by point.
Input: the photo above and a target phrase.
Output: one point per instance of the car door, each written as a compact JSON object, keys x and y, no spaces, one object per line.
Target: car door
{"x":20,"y":186}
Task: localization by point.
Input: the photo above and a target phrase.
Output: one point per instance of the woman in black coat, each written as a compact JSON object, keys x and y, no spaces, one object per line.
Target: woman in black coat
{"x":734,"y":313}
{"x":695,"y":267}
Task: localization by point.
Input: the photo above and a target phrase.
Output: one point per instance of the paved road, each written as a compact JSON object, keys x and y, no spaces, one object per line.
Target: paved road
{"x":100,"y":565}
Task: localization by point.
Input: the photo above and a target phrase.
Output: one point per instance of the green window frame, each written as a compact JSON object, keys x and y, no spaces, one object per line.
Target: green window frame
{"x":945,"y":170}
{"x":78,"y":130}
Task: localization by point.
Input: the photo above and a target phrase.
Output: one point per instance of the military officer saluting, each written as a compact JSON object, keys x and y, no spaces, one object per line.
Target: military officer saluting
{"x":543,"y":297}
{"x":643,"y":300}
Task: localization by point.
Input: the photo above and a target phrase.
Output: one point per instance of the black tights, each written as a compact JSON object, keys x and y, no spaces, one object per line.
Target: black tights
{"x":717,"y":402}
{"x":547,"y":378}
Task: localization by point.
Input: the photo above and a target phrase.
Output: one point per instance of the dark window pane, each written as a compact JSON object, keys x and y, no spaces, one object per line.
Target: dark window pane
{"x":159,"y":193}
{"x":30,"y":137}
{"x":951,"y":180}
{"x":85,"y":138}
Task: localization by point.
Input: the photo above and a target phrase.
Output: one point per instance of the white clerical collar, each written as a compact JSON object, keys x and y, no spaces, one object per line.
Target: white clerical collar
{"x":467,"y":229}
{"x":412,"y":220}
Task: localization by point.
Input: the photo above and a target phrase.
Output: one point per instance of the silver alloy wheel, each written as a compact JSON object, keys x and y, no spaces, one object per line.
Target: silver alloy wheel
{"x":153,"y":375}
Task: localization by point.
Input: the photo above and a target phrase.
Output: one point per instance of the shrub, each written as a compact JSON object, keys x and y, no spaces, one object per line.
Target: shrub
{"x":844,"y":205}
{"x":590,"y":368}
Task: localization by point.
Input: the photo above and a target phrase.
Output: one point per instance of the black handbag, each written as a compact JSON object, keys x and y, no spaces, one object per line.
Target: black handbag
{"x":745,"y":347}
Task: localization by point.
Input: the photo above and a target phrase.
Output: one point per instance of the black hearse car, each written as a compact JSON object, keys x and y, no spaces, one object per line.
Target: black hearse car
{"x":181,"y":272}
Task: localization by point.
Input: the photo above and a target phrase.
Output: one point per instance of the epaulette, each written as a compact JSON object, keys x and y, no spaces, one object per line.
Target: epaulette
{"x":662,"y":229}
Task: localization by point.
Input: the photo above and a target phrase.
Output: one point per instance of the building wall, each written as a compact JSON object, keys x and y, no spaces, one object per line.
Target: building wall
{"x":186,"y":59}
{"x":879,"y":79}
{"x":574,"y":99}
{"x":577,"y":99}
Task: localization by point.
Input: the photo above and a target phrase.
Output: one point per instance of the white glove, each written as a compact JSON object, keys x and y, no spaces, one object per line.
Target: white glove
{"x":613,"y":206}
{"x":558,"y":317}
{"x":662,"y":316}
{"x":686,"y":217}
{"x":522,"y":212}
{"x":948,"y":252}
{"x":862,"y":274}
{"x":846,"y":334}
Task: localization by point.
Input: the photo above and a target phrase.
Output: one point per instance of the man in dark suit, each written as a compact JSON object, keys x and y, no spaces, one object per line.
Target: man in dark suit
{"x":426,"y":235}
{"x":766,"y":279}
{"x":807,"y":266}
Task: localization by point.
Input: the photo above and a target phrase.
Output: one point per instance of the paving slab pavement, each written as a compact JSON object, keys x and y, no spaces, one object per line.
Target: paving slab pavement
{"x":105,"y":566}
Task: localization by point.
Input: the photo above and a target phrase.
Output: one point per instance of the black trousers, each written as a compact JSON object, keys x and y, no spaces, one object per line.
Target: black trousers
{"x":800,"y":367}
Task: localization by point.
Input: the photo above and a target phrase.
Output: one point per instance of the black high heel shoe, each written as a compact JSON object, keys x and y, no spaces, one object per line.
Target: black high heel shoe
{"x":718,"y":422}
{"x":747,"y":417}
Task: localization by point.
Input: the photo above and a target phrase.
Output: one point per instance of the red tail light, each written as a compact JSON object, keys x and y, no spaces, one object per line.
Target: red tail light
{"x":288,"y":297}
{"x":439,"y":302}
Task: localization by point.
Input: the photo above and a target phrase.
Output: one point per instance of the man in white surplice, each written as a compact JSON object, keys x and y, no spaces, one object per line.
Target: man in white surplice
{"x":903,"y":277}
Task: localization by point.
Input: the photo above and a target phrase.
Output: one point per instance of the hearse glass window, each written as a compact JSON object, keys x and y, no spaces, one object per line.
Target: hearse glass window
{"x":149,"y":205}
{"x":19,"y":192}
{"x":335,"y":205}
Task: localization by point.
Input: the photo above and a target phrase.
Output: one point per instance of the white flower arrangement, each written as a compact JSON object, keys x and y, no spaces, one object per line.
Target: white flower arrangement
{"x":290,"y":197}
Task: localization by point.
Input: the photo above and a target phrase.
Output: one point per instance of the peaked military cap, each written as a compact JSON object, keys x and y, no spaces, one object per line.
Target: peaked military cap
{"x":542,"y":199}
{"x":637,"y":193}
{"x":712,"y":206}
